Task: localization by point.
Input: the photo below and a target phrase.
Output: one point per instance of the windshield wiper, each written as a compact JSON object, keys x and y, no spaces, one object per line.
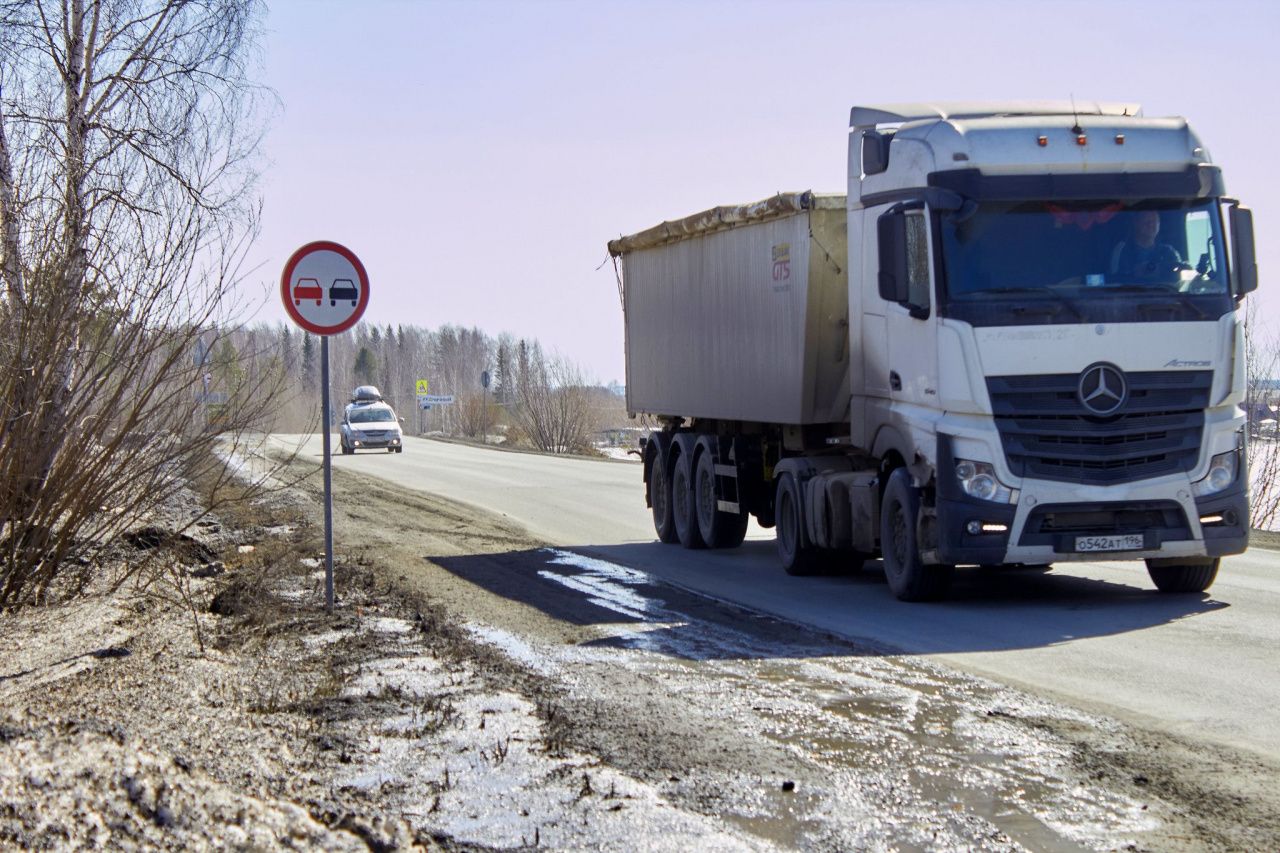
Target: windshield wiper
{"x":1164,"y":290}
{"x":1062,"y":301}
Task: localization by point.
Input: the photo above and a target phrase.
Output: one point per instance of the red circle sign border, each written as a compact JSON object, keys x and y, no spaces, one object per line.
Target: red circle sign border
{"x":296,"y":258}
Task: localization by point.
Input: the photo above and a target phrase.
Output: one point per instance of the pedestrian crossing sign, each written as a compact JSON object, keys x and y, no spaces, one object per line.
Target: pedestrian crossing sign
{"x":422,"y":387}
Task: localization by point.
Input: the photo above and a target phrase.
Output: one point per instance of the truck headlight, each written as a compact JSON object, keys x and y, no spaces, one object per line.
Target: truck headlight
{"x":978,"y":480}
{"x":1222,"y":473}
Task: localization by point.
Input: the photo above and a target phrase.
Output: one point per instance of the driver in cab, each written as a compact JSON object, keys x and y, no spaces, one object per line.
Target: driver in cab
{"x":1140,"y":258}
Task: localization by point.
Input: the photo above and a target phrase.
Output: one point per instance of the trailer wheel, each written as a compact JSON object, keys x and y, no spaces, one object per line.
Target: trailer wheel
{"x":660,"y":500}
{"x":798,"y":558}
{"x":1183,"y":575}
{"x":909,"y":578}
{"x":683,"y":510}
{"x":718,"y":529}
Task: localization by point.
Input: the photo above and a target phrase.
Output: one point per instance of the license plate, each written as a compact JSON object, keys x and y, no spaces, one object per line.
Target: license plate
{"x":1125,"y":542}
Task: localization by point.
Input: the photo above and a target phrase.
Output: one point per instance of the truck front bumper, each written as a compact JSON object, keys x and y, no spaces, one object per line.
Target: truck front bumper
{"x":1047,"y":522}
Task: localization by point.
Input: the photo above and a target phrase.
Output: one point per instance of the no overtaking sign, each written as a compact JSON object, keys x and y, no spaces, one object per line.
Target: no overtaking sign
{"x":325,"y":288}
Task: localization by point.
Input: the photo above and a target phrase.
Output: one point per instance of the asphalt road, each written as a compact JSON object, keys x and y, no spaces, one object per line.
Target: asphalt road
{"x":1097,"y":635}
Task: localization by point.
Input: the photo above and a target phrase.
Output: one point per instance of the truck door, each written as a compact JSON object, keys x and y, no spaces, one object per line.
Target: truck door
{"x":906,"y":291}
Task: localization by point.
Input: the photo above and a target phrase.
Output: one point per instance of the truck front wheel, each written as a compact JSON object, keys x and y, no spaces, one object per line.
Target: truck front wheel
{"x":909,"y":578}
{"x":683,"y":510}
{"x":798,"y":558}
{"x":718,"y":529}
{"x":1183,"y":575}
{"x":660,"y":500}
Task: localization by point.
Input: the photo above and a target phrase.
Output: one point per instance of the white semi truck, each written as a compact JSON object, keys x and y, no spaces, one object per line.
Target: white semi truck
{"x":1015,"y":341}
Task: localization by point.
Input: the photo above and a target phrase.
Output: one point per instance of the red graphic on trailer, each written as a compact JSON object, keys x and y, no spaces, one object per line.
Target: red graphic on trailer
{"x":307,"y":288}
{"x":324,"y":287}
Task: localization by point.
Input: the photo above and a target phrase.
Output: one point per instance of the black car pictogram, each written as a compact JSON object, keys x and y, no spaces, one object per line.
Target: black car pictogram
{"x":343,"y":288}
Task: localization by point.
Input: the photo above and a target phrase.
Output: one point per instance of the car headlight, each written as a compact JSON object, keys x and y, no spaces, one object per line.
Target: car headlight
{"x":1222,"y":473}
{"x":978,"y":480}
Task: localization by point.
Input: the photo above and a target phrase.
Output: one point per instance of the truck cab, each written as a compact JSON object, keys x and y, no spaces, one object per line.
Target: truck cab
{"x":1048,"y":361}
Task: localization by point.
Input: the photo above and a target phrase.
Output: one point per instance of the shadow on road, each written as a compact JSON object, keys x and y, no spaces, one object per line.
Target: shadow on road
{"x":852,"y":613}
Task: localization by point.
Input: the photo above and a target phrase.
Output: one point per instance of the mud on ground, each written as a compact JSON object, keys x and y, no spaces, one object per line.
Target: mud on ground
{"x":475,"y":690}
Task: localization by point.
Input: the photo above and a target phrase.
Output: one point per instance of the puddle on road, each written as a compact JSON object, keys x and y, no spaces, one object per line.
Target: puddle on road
{"x":901,"y":748}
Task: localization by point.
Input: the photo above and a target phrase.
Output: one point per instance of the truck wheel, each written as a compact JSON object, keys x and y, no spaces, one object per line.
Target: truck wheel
{"x":1183,"y":575}
{"x":684,"y":512}
{"x":797,"y":557}
{"x":718,"y":529}
{"x":909,"y":578}
{"x":660,"y":499}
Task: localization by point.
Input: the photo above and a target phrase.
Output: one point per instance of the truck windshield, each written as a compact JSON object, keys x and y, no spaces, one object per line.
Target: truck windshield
{"x":1020,"y":263}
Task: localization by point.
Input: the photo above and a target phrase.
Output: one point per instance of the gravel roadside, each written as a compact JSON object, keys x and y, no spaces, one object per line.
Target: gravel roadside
{"x":475,"y":690}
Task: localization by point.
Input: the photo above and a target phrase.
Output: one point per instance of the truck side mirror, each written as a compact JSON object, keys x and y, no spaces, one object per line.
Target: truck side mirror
{"x":875,"y":152}
{"x":1245,"y":268}
{"x":892,"y":234}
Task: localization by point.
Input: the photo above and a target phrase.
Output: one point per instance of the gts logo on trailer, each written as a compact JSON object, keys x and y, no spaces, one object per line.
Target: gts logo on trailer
{"x":780,"y":255}
{"x":1181,"y":363}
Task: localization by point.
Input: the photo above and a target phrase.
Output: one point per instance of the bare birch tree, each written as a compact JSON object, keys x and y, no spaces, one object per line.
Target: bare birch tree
{"x":128,"y":133}
{"x":554,"y":407}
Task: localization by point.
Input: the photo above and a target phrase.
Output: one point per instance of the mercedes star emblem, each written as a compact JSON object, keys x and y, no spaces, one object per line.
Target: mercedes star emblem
{"x":1102,"y":389}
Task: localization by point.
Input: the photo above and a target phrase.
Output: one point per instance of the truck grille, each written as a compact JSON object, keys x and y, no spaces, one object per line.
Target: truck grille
{"x":1046,"y":524}
{"x":1048,"y":434}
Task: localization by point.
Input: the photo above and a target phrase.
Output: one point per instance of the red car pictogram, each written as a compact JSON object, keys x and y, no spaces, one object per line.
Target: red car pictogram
{"x":307,"y":288}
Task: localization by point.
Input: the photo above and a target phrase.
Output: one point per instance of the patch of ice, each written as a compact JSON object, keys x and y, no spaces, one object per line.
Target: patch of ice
{"x":328,"y":638}
{"x":514,"y":647}
{"x":603,"y":593}
{"x":622,"y":453}
{"x":387,"y":625}
{"x":368,"y":781}
{"x":246,"y":465}
{"x":604,"y":583}
{"x":413,"y":677}
{"x":613,"y":571}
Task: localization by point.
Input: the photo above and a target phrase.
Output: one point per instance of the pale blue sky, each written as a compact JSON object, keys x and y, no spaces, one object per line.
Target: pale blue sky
{"x":478,"y":155}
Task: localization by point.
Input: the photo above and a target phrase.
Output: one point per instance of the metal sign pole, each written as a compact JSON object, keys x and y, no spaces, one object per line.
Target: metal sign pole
{"x":309,"y":270}
{"x":484,"y":416}
{"x":328,"y":473}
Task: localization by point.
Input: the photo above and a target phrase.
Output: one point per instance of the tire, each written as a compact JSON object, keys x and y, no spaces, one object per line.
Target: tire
{"x":683,"y":511}
{"x":718,"y":529}
{"x":346,"y":451}
{"x":798,"y":557}
{"x":1183,"y":576}
{"x":400,"y":449}
{"x":909,"y":578}
{"x":660,"y":499}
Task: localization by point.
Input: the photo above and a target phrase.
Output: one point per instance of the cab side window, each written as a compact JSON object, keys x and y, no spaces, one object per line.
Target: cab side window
{"x":904,"y":259}
{"x":917,"y":260}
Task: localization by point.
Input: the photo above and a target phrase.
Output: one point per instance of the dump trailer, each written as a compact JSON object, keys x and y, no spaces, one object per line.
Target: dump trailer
{"x":1014,"y":341}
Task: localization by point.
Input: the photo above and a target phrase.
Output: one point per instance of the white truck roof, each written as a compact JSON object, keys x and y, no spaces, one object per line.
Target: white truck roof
{"x":872,"y":115}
